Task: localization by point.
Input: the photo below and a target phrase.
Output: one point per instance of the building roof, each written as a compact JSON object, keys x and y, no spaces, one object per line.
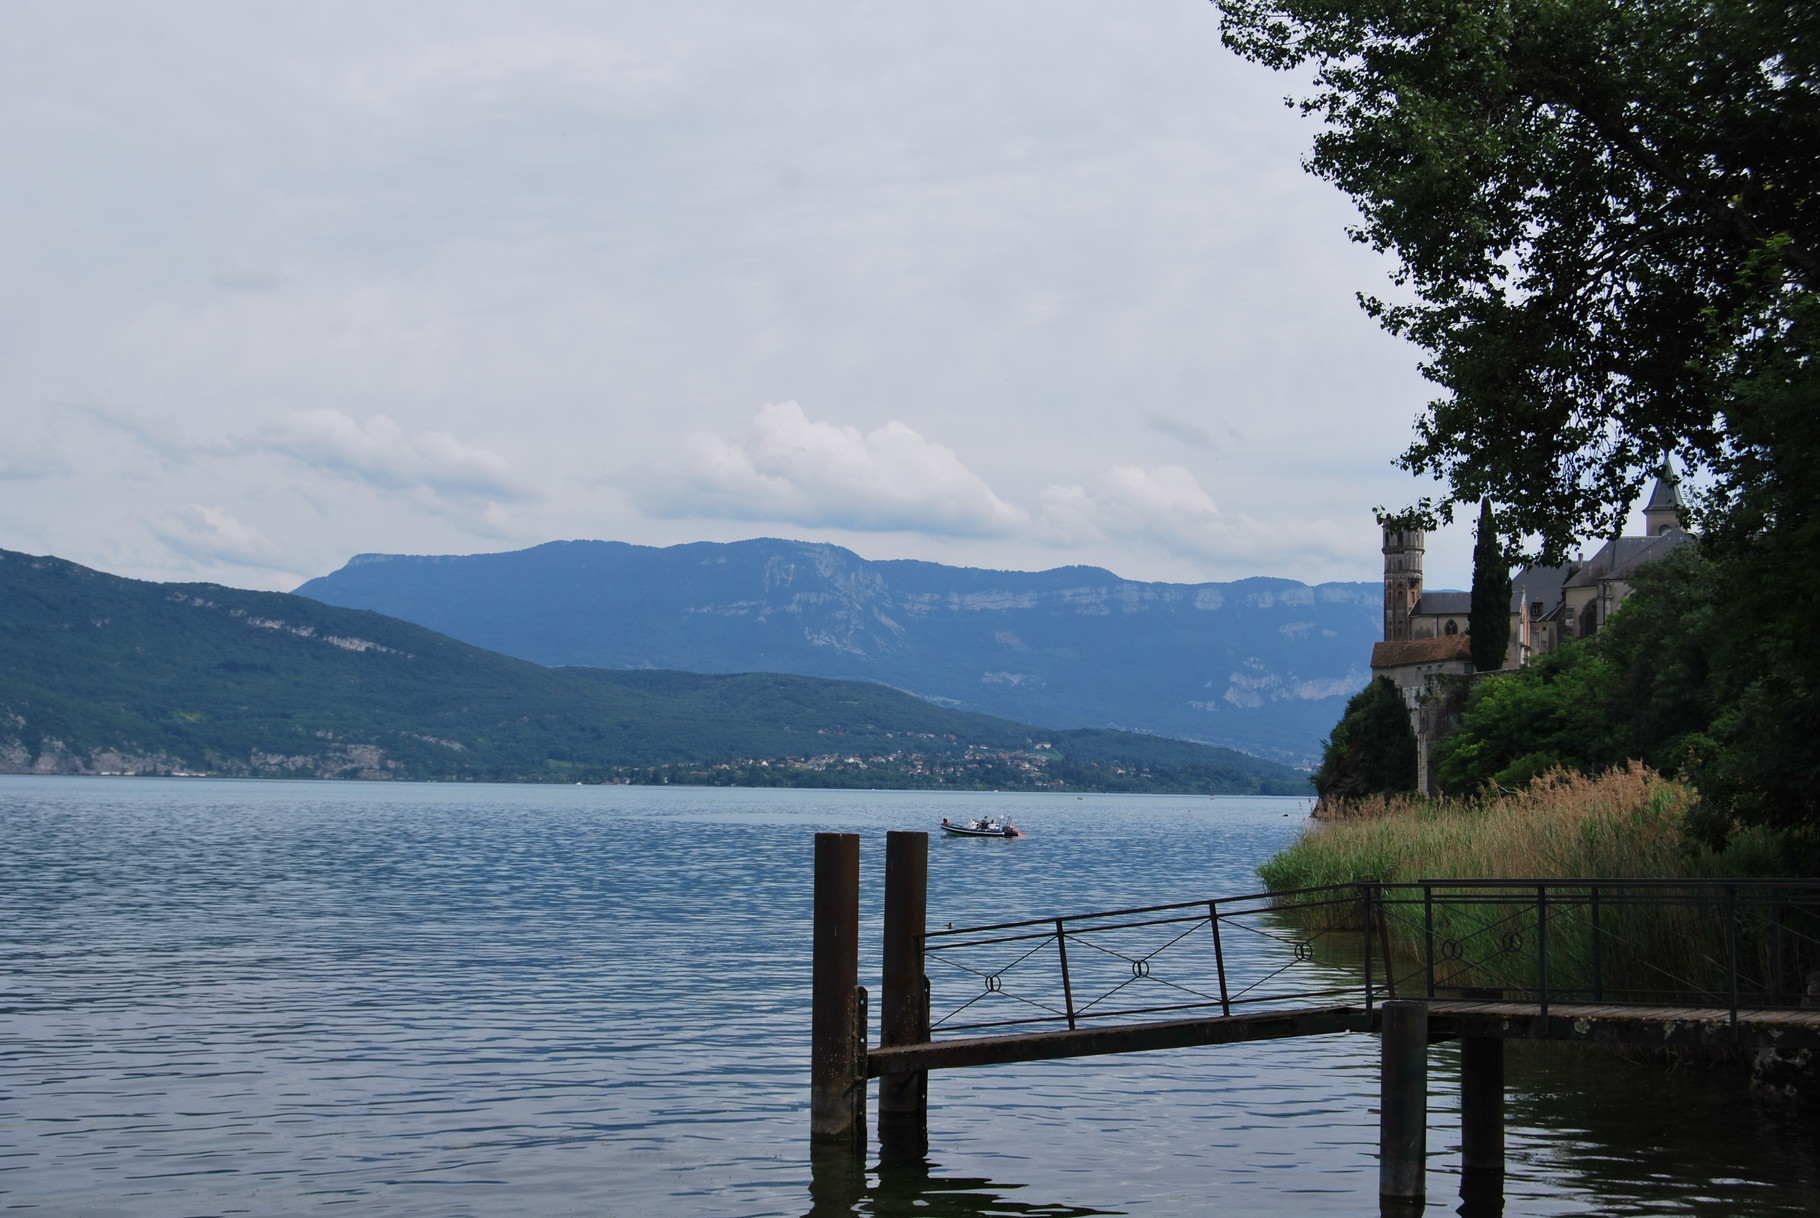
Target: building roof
{"x":1457,"y":603}
{"x":1394,"y":654}
{"x":1533,"y":584}
{"x":1620,"y":558}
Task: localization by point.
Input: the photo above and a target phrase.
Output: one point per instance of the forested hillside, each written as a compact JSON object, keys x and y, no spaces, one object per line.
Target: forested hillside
{"x":104,"y":674}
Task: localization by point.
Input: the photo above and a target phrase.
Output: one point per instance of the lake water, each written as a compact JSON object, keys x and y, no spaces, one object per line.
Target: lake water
{"x":272,"y":998}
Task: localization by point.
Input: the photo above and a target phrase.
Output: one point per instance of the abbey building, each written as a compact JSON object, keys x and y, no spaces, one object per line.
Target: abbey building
{"x":1425,"y":633}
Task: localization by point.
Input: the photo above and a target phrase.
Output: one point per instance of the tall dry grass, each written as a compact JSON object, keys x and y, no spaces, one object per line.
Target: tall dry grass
{"x":1625,"y":823}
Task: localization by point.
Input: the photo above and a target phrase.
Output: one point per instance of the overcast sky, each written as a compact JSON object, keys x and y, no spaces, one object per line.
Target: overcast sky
{"x":1007,"y":283}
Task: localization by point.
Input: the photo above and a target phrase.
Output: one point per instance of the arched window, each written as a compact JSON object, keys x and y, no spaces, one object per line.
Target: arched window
{"x":1589,"y":619}
{"x":1453,"y":627}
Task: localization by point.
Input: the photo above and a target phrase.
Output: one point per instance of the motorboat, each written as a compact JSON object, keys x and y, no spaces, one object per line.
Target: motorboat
{"x":981,"y":826}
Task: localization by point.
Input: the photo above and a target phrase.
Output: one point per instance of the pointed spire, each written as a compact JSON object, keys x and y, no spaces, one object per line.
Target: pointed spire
{"x":1662,"y":514}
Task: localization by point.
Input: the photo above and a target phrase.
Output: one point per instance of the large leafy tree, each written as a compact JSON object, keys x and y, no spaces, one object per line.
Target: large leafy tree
{"x":1604,"y":214}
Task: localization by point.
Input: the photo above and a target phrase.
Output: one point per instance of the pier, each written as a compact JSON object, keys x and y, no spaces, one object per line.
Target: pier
{"x":1719,"y":964}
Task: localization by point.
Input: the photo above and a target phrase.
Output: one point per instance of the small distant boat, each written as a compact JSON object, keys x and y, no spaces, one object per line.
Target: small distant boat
{"x":984,"y":826}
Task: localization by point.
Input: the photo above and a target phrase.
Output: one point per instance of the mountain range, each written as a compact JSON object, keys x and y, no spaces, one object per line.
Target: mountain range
{"x":1261,"y":665}
{"x":100,"y":674}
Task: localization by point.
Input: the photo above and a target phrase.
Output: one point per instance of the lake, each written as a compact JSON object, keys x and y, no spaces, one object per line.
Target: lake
{"x":278,"y":998}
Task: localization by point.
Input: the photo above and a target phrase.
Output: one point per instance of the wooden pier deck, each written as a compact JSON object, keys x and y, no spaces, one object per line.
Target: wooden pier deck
{"x":1668,"y":1026}
{"x":1448,"y":1019}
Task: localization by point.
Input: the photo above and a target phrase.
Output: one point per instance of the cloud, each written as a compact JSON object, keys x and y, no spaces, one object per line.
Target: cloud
{"x":22,"y":460}
{"x":211,"y":535}
{"x":1167,"y":509}
{"x":382,"y":454}
{"x":1180,"y":430}
{"x":1128,"y":501}
{"x":796,"y":470}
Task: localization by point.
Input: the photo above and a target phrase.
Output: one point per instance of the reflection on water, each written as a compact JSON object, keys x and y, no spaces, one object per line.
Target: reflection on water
{"x":842,"y":1187}
{"x":1651,"y":1139}
{"x":415,"y":1001}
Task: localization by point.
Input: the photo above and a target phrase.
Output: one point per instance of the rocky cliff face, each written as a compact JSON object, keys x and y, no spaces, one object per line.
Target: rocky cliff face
{"x":1261,"y":664}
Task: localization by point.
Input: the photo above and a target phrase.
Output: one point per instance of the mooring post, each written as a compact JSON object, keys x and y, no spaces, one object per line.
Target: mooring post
{"x":1403,"y":1104}
{"x":1482,"y":1097}
{"x":837,"y":1064}
{"x":903,"y":1099}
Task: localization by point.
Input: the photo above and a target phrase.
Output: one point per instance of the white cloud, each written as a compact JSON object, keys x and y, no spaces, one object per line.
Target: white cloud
{"x":212,"y":536}
{"x":792,"y":469}
{"x":1166,"y":509}
{"x":382,"y":454}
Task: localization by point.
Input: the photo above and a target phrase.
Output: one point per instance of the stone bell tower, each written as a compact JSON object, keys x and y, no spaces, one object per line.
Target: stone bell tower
{"x":1402,"y":580}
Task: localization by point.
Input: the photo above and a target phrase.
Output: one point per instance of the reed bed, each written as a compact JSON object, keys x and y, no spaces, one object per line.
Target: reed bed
{"x":1623,"y":824}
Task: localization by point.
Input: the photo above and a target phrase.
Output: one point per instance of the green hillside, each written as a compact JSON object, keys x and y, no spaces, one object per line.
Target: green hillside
{"x":100,"y":674}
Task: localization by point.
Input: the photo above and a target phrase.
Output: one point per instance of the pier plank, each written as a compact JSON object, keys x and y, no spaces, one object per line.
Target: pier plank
{"x":1123,"y":1038}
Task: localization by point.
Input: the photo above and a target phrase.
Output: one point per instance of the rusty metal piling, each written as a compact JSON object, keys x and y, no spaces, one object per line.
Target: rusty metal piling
{"x":837,"y":1052}
{"x":1482,"y":1104}
{"x":1403,"y":1105}
{"x":903,"y":1099}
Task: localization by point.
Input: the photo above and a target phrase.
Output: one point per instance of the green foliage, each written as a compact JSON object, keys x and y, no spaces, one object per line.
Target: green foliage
{"x":1605,"y":212}
{"x":1489,"y":625}
{"x":1693,"y":675}
{"x":1557,"y":711}
{"x":110,"y":674}
{"x":1373,"y":748}
{"x":1645,"y":688}
{"x":1764,"y":602}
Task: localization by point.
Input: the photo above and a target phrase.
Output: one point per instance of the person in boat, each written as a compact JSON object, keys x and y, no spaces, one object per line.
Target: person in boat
{"x":944,"y":820}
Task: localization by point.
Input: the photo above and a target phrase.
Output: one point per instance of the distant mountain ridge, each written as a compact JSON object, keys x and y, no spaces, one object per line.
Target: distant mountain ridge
{"x":1263,"y":665}
{"x":100,"y":674}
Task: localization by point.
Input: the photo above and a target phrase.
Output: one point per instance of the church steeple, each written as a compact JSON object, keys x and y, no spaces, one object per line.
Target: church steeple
{"x":1662,"y":514}
{"x":1402,"y":580}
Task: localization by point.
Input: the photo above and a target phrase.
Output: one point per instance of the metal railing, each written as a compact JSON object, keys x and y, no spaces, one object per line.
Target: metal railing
{"x":1732,"y":944}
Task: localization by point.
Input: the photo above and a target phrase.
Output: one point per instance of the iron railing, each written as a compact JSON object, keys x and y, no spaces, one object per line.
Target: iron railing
{"x":1732,"y":944}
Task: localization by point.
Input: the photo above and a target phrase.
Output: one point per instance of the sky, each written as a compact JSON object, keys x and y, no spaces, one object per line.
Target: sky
{"x":1000,"y":283}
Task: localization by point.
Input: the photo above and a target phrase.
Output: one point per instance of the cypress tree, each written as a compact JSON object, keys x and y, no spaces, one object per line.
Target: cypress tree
{"x":1489,"y":624}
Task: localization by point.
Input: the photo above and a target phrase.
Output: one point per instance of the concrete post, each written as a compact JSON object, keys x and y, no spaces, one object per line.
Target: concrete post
{"x":1403,"y":1104}
{"x":837,"y":1072}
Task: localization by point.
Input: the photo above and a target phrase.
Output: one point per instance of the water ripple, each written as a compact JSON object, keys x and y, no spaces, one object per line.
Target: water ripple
{"x":301,"y":998}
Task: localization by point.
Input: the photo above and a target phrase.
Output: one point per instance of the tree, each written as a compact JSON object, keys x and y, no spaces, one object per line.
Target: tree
{"x":1605,"y":210}
{"x":1556,"y":712}
{"x":1489,"y":624}
{"x":1373,"y":748}
{"x":1605,"y":216}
